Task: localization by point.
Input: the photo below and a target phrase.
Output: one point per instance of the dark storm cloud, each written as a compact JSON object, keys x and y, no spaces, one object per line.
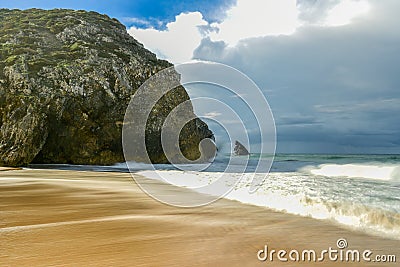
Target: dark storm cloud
{"x":341,"y":83}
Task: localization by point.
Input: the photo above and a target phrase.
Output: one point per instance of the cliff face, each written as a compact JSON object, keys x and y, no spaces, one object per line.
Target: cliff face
{"x":66,"y":78}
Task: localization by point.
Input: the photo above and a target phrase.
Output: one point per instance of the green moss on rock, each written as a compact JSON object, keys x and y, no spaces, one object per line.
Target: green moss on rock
{"x":66,"y":78}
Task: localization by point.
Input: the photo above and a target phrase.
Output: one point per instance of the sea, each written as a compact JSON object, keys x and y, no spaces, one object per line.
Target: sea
{"x":361,"y":192}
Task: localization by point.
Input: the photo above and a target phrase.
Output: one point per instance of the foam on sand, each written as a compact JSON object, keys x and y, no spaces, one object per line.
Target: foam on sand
{"x":340,"y":201}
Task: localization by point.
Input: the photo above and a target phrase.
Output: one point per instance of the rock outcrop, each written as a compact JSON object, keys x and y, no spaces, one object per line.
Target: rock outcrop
{"x":240,"y":150}
{"x":66,"y":78}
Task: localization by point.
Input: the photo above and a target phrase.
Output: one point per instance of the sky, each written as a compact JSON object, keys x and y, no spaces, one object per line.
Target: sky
{"x":328,"y":68}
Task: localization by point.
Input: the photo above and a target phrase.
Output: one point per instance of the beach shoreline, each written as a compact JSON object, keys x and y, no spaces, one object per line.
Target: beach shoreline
{"x":69,"y":218}
{"x":9,"y":169}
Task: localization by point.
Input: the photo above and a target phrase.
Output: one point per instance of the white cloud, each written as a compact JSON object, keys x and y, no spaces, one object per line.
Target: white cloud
{"x":212,"y":114}
{"x":331,"y":12}
{"x":137,"y":21}
{"x":247,"y":19}
{"x":178,"y":41}
{"x":256,"y":18}
{"x":345,"y":12}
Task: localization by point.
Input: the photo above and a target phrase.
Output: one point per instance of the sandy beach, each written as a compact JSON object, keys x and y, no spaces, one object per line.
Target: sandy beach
{"x":75,"y":218}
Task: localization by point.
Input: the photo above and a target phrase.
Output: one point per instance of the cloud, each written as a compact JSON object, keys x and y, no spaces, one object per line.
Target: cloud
{"x":331,"y":12}
{"x":329,"y":68}
{"x":315,"y":11}
{"x":142,"y":23}
{"x":255,"y":18}
{"x":247,"y":19}
{"x":178,"y":41}
{"x":345,"y":12}
{"x":211,"y":115}
{"x":297,"y":120}
{"x":330,"y":88}
{"x":375,"y":105}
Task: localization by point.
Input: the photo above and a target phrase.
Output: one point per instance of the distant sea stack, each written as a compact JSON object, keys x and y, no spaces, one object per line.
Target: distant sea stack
{"x":240,"y":150}
{"x":66,"y":78}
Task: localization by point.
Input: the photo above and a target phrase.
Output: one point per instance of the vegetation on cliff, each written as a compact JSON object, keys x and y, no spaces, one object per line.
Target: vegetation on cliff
{"x":66,"y":78}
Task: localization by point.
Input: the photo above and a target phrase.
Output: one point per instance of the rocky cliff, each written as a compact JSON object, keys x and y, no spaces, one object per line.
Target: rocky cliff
{"x":66,"y":78}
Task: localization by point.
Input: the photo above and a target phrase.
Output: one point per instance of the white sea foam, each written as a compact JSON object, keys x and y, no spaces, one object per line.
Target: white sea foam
{"x":377,"y":171}
{"x":300,"y":194}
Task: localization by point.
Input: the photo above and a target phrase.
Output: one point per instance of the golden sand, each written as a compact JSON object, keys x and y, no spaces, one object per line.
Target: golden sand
{"x":71,"y":218}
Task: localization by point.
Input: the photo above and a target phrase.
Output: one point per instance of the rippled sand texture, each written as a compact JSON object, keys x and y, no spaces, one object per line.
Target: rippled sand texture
{"x":70,"y":218}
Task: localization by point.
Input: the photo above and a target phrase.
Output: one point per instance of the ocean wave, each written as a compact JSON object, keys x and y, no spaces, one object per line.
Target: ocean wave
{"x":378,"y":171}
{"x":357,"y":216}
{"x":284,"y":192}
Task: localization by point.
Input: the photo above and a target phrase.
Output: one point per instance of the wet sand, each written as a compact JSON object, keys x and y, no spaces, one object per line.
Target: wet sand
{"x":8,"y":169}
{"x":71,"y":218}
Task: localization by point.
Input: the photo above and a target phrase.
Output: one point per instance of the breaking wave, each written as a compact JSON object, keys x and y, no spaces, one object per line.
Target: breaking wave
{"x":378,"y":171}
